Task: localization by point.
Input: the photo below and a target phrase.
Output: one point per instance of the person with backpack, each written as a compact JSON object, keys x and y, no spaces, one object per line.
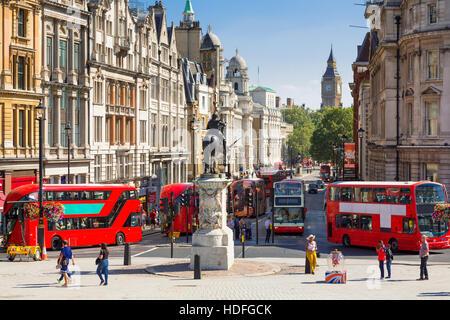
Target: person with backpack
{"x":381,"y":250}
{"x":389,"y":258}
{"x":64,"y":259}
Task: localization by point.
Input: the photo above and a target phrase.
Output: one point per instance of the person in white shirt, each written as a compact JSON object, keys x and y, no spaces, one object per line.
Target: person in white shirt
{"x":311,"y":248}
{"x":268,"y":224}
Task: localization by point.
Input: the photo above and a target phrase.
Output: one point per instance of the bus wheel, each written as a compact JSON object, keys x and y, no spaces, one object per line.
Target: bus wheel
{"x":394,"y":245}
{"x":346,"y":241}
{"x":56,"y":243}
{"x":11,"y":257}
{"x":120,"y":239}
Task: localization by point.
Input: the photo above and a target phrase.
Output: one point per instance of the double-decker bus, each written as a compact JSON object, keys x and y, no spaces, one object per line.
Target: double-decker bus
{"x":399,"y":213}
{"x":325,"y":172}
{"x":270,"y":176}
{"x":289,"y":206}
{"x":93,"y":214}
{"x":172,"y":194}
{"x":238,"y":193}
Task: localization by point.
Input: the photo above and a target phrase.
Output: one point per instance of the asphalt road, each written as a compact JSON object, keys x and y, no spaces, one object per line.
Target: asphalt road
{"x":289,"y":246}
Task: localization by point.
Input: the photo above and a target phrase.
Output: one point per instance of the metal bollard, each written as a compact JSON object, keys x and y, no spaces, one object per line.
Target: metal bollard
{"x":307,"y":266}
{"x":243,"y":245}
{"x":197,"y":268}
{"x":126,"y":255}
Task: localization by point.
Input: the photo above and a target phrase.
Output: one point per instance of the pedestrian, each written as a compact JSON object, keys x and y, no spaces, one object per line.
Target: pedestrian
{"x":230,"y":223}
{"x":248,"y":228}
{"x":242,"y":226}
{"x":268,"y":225}
{"x":144,"y":219}
{"x":103,"y":264}
{"x":424,"y":253}
{"x":311,"y":248}
{"x":64,"y":259}
{"x":381,"y":250}
{"x":153,"y":219}
{"x":236,"y":228}
{"x":389,"y":258}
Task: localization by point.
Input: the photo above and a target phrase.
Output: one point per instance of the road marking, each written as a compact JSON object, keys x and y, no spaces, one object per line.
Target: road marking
{"x":137,"y":255}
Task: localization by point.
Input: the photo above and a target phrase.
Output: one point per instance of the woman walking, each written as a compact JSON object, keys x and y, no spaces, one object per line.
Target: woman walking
{"x":381,"y":250}
{"x":311,"y":248}
{"x":103,"y":264}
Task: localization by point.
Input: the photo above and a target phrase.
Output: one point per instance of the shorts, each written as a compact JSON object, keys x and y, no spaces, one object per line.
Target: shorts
{"x":153,"y":221}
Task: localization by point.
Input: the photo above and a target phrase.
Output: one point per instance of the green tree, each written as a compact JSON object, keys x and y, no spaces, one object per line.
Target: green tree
{"x":299,"y":140}
{"x":332,"y":124}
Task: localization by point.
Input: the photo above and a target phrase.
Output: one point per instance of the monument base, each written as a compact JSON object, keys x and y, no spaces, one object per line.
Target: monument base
{"x":215,"y":248}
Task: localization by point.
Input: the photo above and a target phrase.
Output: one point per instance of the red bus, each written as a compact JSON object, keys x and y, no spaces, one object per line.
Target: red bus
{"x":93,"y":214}
{"x":270,"y":176}
{"x":399,"y":213}
{"x":179,"y":221}
{"x":238,"y":189}
{"x":325,"y":172}
{"x":289,"y":206}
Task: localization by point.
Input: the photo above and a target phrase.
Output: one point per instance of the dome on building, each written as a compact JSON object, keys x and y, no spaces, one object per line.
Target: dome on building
{"x":210,"y":41}
{"x":237,"y":62}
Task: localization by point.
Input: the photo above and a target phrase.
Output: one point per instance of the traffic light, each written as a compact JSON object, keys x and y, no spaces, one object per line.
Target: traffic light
{"x":164,"y":206}
{"x":249,"y":197}
{"x":184,"y":197}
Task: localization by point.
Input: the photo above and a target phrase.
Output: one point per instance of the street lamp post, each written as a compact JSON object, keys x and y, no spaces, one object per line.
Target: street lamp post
{"x":194,"y":127}
{"x":40,"y":109}
{"x":68,"y":130}
{"x":360,"y":135}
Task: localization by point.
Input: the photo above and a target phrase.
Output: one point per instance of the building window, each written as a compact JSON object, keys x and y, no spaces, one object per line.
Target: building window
{"x":154,"y":88}
{"x":21,"y":32}
{"x":97,"y":129}
{"x":143,"y":98}
{"x":63,"y":54}
{"x":410,"y":118}
{"x":431,"y":171}
{"x":129,"y":166}
{"x":76,"y":120}
{"x":108,"y":129}
{"x":97,"y":168}
{"x":109,"y":167}
{"x":118,"y":126}
{"x":431,"y":117}
{"x":165,"y":131}
{"x":165,"y":90}
{"x":20,"y":128}
{"x":49,"y":53}
{"x":64,"y":116}
{"x":98,"y":92}
{"x":50,"y":116}
{"x":21,"y":73}
{"x":432,"y":14}
{"x":433,"y":64}
{"x":143,"y":131}
{"x":154,"y":130}
{"x":142,"y":165}
{"x":410,"y":67}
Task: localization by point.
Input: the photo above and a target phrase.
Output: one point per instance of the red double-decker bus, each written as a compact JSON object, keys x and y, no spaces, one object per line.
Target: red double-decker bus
{"x":238,"y":191}
{"x":399,"y":213}
{"x":325,"y":172}
{"x":270,"y":176}
{"x":186,"y":218}
{"x":93,"y":214}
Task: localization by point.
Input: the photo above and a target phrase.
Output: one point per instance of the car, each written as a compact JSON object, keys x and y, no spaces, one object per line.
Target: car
{"x":312,"y":188}
{"x":320,"y":184}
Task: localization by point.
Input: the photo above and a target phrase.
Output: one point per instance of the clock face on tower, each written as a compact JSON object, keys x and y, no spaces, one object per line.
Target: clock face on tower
{"x":328,"y":88}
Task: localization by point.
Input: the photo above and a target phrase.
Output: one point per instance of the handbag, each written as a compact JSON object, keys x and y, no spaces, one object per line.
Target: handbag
{"x":97,"y":261}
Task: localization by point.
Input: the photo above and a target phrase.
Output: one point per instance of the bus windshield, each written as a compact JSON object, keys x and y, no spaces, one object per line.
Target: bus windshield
{"x":288,"y":215}
{"x":427,"y":196}
{"x":288,"y":189}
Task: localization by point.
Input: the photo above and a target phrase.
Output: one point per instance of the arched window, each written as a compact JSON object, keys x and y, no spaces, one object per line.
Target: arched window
{"x":236,"y":86}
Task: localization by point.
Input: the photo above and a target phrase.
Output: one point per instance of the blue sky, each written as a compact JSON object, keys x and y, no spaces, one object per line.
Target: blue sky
{"x":289,"y":40}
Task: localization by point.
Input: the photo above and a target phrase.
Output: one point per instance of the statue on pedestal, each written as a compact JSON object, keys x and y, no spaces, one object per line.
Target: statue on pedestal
{"x":214,"y":144}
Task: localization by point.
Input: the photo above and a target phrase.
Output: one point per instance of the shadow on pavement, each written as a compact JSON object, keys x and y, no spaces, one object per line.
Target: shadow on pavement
{"x":434,"y":294}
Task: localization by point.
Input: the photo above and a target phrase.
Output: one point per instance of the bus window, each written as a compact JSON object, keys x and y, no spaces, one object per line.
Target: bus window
{"x":405,"y":196}
{"x":346,"y":194}
{"x":408,"y":225}
{"x":393,"y":195}
{"x":334,"y":194}
{"x":337,"y":221}
{"x":379,"y":195}
{"x":355,"y":221}
{"x":346,"y":221}
{"x":86,"y":195}
{"x":366,"y":223}
{"x":357,"y":195}
{"x":366,"y":195}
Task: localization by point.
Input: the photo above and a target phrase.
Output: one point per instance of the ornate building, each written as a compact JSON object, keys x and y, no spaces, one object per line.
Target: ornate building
{"x":417,"y":146}
{"x":331,"y":84}
{"x":20,"y":91}
{"x":138,"y":115}
{"x":66,"y":86}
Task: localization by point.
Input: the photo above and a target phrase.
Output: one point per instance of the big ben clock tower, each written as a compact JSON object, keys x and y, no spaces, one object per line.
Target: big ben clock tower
{"x":331,"y":84}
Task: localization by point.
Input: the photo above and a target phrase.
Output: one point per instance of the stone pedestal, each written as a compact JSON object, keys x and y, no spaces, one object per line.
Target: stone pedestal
{"x":213,"y":241}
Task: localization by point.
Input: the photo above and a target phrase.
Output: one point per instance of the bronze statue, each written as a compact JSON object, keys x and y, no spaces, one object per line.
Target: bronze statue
{"x":212,"y":146}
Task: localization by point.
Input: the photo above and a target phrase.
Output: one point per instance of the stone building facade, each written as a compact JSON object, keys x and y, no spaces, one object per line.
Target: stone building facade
{"x":20,"y":91}
{"x":420,"y":149}
{"x":138,"y":115}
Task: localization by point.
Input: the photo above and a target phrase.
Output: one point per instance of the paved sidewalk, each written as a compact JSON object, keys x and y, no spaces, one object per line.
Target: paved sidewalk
{"x":37,"y":280}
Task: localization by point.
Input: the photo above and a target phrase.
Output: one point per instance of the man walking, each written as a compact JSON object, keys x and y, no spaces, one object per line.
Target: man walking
{"x":381,"y":250}
{"x":424,"y":253}
{"x":268,"y":224}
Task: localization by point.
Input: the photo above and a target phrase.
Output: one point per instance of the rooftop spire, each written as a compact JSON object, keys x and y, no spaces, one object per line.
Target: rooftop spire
{"x":188,"y":8}
{"x":331,"y":58}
